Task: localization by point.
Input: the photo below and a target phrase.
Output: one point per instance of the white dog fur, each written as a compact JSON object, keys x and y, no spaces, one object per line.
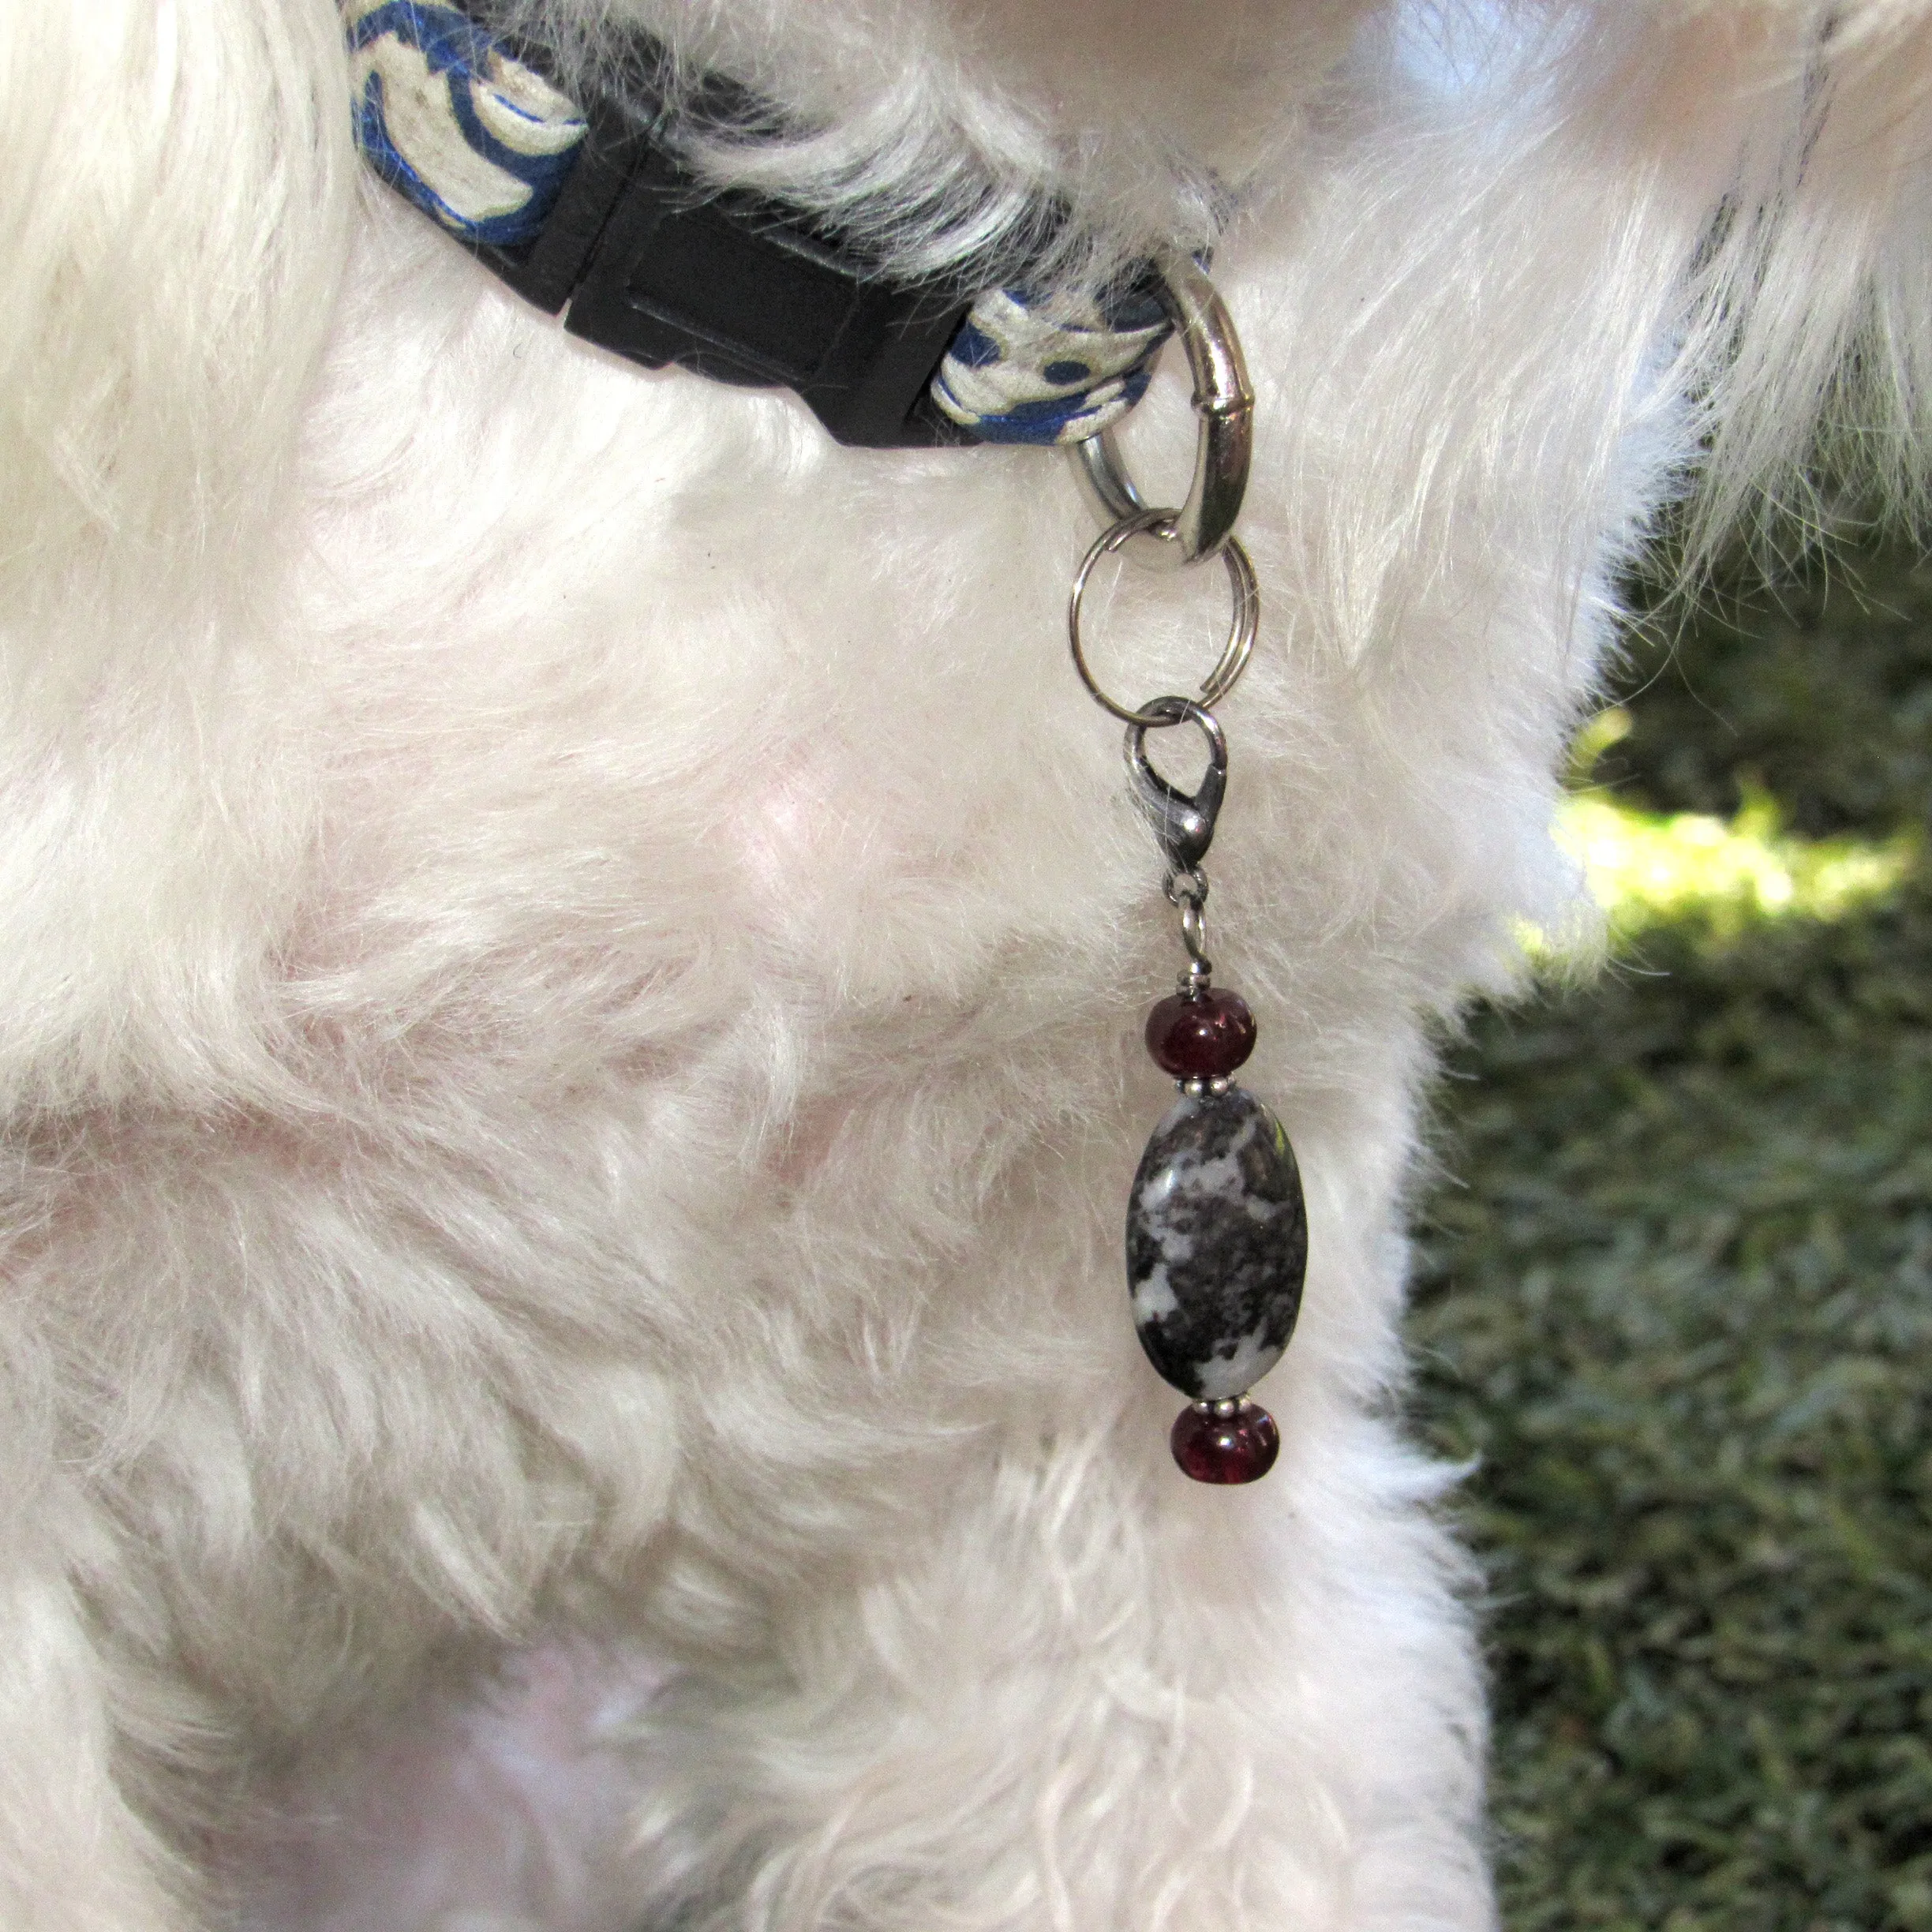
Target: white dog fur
{"x":570,"y":952}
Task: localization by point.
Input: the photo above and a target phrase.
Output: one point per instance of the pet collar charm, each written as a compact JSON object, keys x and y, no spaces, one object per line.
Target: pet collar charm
{"x":1217,"y":1232}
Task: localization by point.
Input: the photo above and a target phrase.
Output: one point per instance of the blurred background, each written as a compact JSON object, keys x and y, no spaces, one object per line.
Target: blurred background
{"x":1674,"y":1298}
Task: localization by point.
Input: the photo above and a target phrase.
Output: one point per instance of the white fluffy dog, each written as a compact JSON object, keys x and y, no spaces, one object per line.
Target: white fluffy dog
{"x":573,"y":950}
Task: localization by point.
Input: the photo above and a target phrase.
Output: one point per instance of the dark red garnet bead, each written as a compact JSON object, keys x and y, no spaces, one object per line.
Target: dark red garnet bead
{"x":1204,"y":1038}
{"x":1238,"y":1447}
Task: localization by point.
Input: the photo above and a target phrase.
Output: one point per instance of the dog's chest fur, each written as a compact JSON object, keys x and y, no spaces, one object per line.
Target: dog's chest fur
{"x":625,"y":942}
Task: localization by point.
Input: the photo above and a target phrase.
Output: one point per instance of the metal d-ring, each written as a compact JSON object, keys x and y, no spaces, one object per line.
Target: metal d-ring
{"x":1224,"y":404}
{"x":1234,"y":655}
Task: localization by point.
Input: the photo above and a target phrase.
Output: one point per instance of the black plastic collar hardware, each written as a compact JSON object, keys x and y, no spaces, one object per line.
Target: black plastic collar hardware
{"x":658,"y":268}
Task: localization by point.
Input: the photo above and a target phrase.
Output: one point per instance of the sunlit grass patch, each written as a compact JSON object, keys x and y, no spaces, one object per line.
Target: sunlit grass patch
{"x":1720,"y":875}
{"x":1646,"y":868}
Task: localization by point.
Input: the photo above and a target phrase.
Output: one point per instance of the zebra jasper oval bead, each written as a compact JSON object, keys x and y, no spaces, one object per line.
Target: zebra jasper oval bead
{"x":1217,"y":1244}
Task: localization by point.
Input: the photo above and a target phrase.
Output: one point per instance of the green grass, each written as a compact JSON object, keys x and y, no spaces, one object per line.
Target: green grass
{"x":1675,"y":1296}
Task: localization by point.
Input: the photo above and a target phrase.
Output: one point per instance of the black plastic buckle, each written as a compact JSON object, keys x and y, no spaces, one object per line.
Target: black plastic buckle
{"x":659,"y":269}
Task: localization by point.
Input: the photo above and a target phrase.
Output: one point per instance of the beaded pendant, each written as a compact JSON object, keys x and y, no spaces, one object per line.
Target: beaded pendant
{"x":1217,"y":1229}
{"x":1217,"y":1238}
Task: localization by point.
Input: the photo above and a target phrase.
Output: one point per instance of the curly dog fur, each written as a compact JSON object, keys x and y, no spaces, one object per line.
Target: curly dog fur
{"x":570,"y":951}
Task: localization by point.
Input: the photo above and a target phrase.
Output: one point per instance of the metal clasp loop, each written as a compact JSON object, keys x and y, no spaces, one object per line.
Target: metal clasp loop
{"x":1224,"y":404}
{"x":1183,"y":822}
{"x":1242,"y":627}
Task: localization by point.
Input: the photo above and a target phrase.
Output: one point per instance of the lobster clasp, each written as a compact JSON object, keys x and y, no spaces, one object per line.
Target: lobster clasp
{"x":1183,"y":822}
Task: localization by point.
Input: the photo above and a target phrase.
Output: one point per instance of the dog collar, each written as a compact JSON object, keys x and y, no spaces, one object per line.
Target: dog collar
{"x":583,"y":208}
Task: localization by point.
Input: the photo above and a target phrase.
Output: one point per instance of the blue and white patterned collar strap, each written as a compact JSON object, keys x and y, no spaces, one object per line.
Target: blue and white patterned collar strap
{"x":583,"y":208}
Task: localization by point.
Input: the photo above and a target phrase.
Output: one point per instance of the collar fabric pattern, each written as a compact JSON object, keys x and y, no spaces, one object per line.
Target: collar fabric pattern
{"x":484,"y":145}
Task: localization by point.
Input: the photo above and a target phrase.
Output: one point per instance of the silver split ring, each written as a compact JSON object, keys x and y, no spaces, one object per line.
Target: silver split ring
{"x":1224,"y":404}
{"x":1234,"y":653}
